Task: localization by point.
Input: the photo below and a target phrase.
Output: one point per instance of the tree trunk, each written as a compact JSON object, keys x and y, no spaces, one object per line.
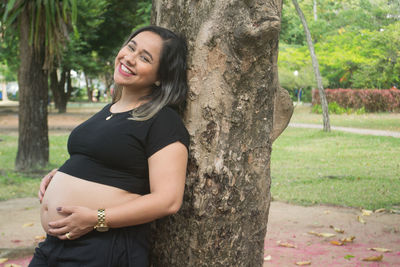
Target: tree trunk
{"x":60,"y":96}
{"x":33,"y":143}
{"x":315,"y":10}
{"x":54,"y":87}
{"x":89,"y":90}
{"x":324,"y":102}
{"x":233,"y":48}
{"x":3,"y":86}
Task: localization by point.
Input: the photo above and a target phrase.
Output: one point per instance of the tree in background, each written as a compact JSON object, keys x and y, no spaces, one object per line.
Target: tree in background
{"x":78,"y":54}
{"x":354,"y":40}
{"x":42,"y":28}
{"x":91,"y":51}
{"x":120,"y":19}
{"x":324,"y":102}
{"x":233,"y":48}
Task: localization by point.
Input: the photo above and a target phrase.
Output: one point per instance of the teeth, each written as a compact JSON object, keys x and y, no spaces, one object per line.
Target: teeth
{"x":125,"y":69}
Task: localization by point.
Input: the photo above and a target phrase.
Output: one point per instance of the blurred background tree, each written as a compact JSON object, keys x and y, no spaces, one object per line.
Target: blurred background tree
{"x":40,"y":42}
{"x":357,"y":42}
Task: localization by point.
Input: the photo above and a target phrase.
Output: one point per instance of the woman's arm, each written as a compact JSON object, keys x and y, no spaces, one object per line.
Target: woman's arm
{"x":167,"y":173}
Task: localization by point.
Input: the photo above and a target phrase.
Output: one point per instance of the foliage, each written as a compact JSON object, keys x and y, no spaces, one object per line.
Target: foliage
{"x":309,"y":166}
{"x":373,"y":100}
{"x":305,"y":78}
{"x":356,"y":41}
{"x":9,"y":61}
{"x":291,"y":30}
{"x":48,"y":17}
{"x":334,"y":108}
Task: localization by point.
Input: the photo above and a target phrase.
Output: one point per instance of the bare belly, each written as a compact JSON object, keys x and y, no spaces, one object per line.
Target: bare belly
{"x":67,"y":190}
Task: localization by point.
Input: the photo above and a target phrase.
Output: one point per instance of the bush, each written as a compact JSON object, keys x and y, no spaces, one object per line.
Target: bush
{"x":372,"y":100}
{"x":334,"y":108}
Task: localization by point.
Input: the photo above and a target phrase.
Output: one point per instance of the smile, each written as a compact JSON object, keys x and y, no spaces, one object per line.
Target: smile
{"x":124,"y":70}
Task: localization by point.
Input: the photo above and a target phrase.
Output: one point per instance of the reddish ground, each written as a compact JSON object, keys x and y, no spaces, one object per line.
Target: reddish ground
{"x":20,"y":231}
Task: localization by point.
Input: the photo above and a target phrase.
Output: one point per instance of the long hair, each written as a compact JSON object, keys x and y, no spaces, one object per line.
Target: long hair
{"x":171,"y":74}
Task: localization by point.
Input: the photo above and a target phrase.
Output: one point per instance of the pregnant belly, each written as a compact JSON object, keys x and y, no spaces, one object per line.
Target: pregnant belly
{"x":67,"y":190}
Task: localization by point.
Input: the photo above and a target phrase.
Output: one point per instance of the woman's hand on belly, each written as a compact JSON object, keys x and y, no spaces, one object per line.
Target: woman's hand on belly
{"x":78,"y":222}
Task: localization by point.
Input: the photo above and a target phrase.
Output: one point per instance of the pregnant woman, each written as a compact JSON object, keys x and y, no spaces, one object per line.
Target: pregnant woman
{"x":127,"y":164}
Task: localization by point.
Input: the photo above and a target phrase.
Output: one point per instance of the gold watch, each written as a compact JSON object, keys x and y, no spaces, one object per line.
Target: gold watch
{"x":101,"y":225}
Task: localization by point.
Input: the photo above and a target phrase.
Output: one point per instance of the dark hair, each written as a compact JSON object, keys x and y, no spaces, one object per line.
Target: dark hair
{"x":171,"y":74}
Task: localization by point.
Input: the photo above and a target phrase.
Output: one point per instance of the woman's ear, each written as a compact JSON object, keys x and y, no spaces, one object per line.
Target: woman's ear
{"x":157,"y":83}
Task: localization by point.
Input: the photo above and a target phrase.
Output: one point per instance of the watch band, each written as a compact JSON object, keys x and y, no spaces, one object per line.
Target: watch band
{"x":101,"y":225}
{"x":101,"y":217}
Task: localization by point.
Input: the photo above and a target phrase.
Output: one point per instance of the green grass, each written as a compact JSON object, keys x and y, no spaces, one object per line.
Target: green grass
{"x":17,"y":184}
{"x":309,"y":166}
{"x":377,"y":121}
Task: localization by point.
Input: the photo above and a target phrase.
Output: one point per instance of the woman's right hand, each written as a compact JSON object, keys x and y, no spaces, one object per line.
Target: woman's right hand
{"x":45,"y":183}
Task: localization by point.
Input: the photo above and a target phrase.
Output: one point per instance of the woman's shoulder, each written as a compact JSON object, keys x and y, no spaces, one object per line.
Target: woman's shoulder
{"x":168,"y":113}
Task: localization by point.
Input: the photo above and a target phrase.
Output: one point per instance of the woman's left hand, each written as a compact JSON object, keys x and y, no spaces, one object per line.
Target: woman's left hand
{"x":78,"y":222}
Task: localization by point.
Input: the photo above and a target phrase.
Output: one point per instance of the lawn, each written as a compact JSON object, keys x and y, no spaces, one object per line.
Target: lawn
{"x":377,"y":121}
{"x":17,"y":184}
{"x":309,"y":166}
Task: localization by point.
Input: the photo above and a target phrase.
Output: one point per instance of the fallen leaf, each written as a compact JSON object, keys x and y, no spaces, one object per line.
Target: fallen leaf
{"x":40,"y":237}
{"x":327,"y":211}
{"x":381,"y":249}
{"x":302,"y":263}
{"x":374,"y":258}
{"x":3,"y":260}
{"x":380,"y":210}
{"x":338,"y":230}
{"x":366,"y":212}
{"x":360,"y":219}
{"x":321,"y":234}
{"x":28,"y":224}
{"x":348,"y":239}
{"x":267,"y":258}
{"x":12,"y":265}
{"x":337,"y":243}
{"x":286,"y":245}
{"x":16,"y":240}
{"x":395,"y":211}
{"x":348,"y":257}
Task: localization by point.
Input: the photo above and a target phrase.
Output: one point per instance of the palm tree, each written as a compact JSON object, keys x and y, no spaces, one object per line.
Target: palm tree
{"x":42,"y":28}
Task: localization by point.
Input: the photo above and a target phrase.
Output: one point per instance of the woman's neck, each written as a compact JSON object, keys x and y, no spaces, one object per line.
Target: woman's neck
{"x":129,"y":100}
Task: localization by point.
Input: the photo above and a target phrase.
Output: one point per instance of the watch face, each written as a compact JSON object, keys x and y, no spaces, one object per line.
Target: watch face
{"x":102,"y":228}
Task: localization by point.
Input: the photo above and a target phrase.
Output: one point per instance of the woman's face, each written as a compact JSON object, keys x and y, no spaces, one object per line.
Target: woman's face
{"x":136,"y":64}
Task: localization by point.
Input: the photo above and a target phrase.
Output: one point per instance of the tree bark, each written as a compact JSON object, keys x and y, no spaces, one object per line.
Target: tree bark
{"x":3,"y":86}
{"x":315,"y":10}
{"x":233,"y":48}
{"x":89,"y":89}
{"x":60,"y":95}
{"x":33,"y":143}
{"x":324,"y":102}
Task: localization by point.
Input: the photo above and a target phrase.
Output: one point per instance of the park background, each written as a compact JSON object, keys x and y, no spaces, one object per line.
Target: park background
{"x":357,"y":43}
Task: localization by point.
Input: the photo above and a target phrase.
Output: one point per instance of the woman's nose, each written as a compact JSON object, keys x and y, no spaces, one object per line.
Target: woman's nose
{"x":130,"y":59}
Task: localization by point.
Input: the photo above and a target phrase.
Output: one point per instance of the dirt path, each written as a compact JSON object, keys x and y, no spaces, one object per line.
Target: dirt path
{"x":20,"y":231}
{"x":348,"y":129}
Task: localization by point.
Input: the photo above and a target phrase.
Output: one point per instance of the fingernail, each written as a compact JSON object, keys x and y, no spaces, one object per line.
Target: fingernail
{"x":58,"y":208}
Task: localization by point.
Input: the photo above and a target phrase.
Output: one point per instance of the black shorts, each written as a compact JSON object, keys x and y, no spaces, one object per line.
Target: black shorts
{"x":119,"y":247}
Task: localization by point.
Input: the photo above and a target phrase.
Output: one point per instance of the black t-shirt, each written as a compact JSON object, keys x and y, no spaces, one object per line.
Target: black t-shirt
{"x":114,"y":152}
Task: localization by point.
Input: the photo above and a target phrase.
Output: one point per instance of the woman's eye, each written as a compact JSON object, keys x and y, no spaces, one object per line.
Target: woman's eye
{"x":131,"y":48}
{"x":144,"y":58}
